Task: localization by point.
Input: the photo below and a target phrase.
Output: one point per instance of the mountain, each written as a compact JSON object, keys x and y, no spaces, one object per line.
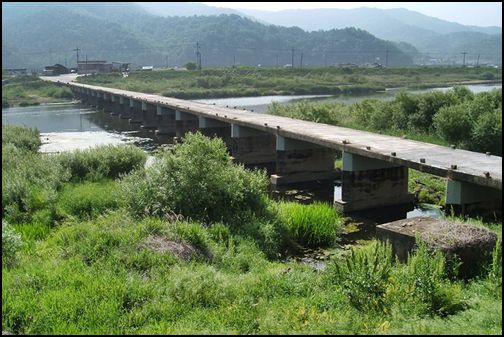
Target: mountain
{"x":38,"y":34}
{"x":435,"y":37}
{"x":184,"y":9}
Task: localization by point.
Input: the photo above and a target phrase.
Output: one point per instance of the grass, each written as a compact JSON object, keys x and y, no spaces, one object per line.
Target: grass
{"x":99,"y":269}
{"x":247,"y":81}
{"x":30,"y":90}
{"x":313,"y":225}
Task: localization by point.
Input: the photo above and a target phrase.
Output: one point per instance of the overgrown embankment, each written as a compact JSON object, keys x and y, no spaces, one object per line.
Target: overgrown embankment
{"x":31,"y":90}
{"x":248,"y":81}
{"x":192,"y":244}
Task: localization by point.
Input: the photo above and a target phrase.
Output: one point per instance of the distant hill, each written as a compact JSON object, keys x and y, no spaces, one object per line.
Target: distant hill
{"x":38,"y":34}
{"x":438,"y":38}
{"x":429,"y":38}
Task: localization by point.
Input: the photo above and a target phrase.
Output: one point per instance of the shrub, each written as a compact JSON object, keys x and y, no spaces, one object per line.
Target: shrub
{"x":488,"y":76}
{"x":11,"y":243}
{"x":453,"y":123}
{"x":197,"y":180}
{"x":21,"y":137}
{"x":424,"y":281}
{"x":30,"y":182}
{"x":311,"y":225}
{"x":364,"y":276}
{"x":487,"y":133}
{"x":103,"y":162}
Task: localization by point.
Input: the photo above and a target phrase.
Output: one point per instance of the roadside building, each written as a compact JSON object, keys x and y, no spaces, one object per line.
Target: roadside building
{"x":55,"y":70}
{"x":15,"y":71}
{"x":94,"y":67}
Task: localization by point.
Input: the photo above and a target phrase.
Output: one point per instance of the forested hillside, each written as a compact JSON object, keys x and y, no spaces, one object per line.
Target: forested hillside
{"x":34,"y":35}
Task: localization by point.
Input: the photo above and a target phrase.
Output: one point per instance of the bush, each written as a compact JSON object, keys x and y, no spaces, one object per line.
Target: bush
{"x":30,"y":182}
{"x":11,"y":243}
{"x":364,"y":276}
{"x":311,"y":225}
{"x":197,"y":180}
{"x":454,"y":123}
{"x":103,"y":162}
{"x":488,"y":76}
{"x":424,"y":282}
{"x":487,"y":133}
{"x":21,"y":137}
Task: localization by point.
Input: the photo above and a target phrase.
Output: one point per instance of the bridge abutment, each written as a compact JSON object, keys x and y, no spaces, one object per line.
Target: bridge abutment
{"x":368,"y":183}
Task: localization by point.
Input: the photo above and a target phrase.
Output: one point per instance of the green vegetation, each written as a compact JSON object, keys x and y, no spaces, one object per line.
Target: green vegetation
{"x":312,"y":225}
{"x":248,"y":81}
{"x":182,"y":182}
{"x":427,"y":188}
{"x":458,"y":117}
{"x":31,"y":90}
{"x":103,"y":267}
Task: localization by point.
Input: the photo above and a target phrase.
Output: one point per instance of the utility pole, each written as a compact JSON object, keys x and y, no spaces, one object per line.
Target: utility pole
{"x":166,"y":61}
{"x":234,"y":61}
{"x":198,"y":56}
{"x":77,"y":50}
{"x":463,"y":62}
{"x":292,"y":62}
{"x":301,"y":63}
{"x":386,"y":57}
{"x":325,"y":59}
{"x":277,"y":61}
{"x":477,"y":62}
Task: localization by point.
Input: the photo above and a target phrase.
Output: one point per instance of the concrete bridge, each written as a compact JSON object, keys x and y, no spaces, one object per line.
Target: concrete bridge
{"x":375,"y":166}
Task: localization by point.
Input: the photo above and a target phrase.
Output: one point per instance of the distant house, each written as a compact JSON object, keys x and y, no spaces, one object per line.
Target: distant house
{"x":147,"y":68}
{"x":120,"y":66}
{"x":55,"y":70}
{"x":94,"y":67}
{"x":15,"y":71}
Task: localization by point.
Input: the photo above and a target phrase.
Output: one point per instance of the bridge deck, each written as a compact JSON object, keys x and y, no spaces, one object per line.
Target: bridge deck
{"x":473,"y":167}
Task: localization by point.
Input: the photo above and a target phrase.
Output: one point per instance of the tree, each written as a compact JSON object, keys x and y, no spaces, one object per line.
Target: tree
{"x":191,"y":66}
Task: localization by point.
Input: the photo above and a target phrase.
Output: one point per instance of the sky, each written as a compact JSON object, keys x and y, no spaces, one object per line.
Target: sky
{"x":466,"y":13}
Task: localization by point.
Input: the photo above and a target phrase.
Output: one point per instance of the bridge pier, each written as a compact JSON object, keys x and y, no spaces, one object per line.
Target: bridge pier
{"x":149,"y":116}
{"x":184,"y":123}
{"x":115,"y":105}
{"x":166,"y":121}
{"x":299,"y":162}
{"x":106,"y":103}
{"x":463,"y":198}
{"x":253,"y":148}
{"x":368,"y":183}
{"x":215,"y":128}
{"x":135,"y":112}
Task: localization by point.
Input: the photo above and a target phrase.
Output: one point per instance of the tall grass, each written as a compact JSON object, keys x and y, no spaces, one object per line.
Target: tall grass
{"x":21,"y":137}
{"x":312,"y":225}
{"x":104,"y":162}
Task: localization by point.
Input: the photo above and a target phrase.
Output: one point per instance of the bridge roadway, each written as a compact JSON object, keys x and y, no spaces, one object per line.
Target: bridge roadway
{"x":461,"y":165}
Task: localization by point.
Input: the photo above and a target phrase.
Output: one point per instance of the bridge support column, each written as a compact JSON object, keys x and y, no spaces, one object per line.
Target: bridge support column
{"x":115,"y":105}
{"x":298,"y":162}
{"x":135,"y":112}
{"x":253,"y":148}
{"x":215,"y":128}
{"x":107,"y":105}
{"x":184,"y":123}
{"x":126,"y":106}
{"x":149,"y":116}
{"x":468,"y":199}
{"x":94,"y":99}
{"x":368,"y":183}
{"x":166,"y":121}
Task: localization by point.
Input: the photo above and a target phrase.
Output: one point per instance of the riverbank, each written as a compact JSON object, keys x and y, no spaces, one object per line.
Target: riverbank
{"x":251,"y":82}
{"x":31,"y":90}
{"x":94,"y":243}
